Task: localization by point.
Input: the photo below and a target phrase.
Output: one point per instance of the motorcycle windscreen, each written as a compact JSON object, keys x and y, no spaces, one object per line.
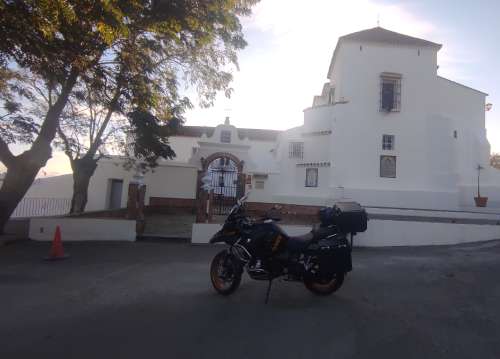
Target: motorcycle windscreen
{"x":225,"y":235}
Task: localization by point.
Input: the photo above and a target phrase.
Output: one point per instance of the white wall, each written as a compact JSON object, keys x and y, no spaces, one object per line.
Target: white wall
{"x":167,"y":180}
{"x":360,"y":125}
{"x":172,"y":181}
{"x":82,"y":229}
{"x":100,"y":184}
{"x":405,"y":233}
{"x":389,"y":233}
{"x":51,"y":187}
{"x":465,"y":108}
{"x":183,"y":147}
{"x":432,"y":166}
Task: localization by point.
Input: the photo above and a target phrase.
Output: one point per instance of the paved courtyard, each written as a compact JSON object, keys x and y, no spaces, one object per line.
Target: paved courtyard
{"x":154,"y":300}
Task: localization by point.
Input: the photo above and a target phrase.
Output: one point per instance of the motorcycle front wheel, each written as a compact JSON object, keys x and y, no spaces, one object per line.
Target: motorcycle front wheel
{"x":325,"y":286}
{"x":225,"y":273}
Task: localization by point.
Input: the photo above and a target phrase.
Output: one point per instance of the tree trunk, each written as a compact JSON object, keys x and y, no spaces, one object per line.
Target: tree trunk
{"x":18,"y":179}
{"x":22,"y":169}
{"x":83,"y":170}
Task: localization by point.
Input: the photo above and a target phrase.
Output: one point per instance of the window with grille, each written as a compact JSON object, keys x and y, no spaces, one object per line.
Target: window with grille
{"x":390,"y":92}
{"x":225,"y":136}
{"x":388,"y":166}
{"x":296,"y":150}
{"x":259,"y":184}
{"x":388,"y":142}
{"x":311,"y":177}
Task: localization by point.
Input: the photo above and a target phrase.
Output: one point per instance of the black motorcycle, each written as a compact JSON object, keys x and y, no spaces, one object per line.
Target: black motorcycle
{"x":320,"y":259}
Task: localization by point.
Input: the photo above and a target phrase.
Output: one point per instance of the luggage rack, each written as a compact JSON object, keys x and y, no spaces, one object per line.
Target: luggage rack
{"x":348,"y":217}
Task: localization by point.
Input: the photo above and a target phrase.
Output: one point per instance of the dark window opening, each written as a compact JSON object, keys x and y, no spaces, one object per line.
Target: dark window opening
{"x":115,"y":194}
{"x":331,"y":96}
{"x":388,"y":96}
{"x":388,"y":166}
{"x":296,"y":150}
{"x":388,"y":142}
{"x":390,"y":92}
{"x":311,"y":177}
{"x":225,"y":136}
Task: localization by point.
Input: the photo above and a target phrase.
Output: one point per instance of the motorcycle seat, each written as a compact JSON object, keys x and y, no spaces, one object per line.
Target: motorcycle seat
{"x":298,"y":243}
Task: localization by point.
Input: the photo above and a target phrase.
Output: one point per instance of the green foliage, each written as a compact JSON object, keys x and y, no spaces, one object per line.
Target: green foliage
{"x":129,"y":55}
{"x":149,"y":137}
{"x":51,"y":36}
{"x":172,"y":44}
{"x":16,"y":125}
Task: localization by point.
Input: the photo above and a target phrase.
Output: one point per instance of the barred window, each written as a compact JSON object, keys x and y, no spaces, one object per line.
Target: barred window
{"x":225,"y":136}
{"x":259,"y":184}
{"x":388,"y":142}
{"x":388,"y":166}
{"x":296,"y":150}
{"x":311,"y":177}
{"x":390,"y":92}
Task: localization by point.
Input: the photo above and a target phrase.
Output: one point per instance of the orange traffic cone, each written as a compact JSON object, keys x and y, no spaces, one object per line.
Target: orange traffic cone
{"x":57,"y":251}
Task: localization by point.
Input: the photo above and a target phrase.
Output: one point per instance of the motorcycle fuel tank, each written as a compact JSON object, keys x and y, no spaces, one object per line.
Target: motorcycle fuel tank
{"x":267,"y":238}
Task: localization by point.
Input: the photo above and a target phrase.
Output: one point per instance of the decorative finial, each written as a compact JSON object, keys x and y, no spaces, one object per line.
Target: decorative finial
{"x":378,"y":20}
{"x":226,"y":122}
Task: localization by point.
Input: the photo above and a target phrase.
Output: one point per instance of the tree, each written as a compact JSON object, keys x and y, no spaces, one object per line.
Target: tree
{"x":55,"y":41}
{"x":495,"y":160}
{"x":143,"y":75}
{"x":86,"y":129}
{"x":63,"y":42}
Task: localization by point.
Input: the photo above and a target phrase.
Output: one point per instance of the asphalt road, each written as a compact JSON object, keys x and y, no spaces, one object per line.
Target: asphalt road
{"x":154,"y":300}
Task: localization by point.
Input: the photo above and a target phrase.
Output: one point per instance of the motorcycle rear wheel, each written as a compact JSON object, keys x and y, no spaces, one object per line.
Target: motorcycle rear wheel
{"x":225,"y":273}
{"x":325,"y":286}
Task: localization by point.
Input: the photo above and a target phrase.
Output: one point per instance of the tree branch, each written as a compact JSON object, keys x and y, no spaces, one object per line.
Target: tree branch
{"x":67,"y":147}
{"x":6,"y":156}
{"x":51,"y":121}
{"x":111,"y":108}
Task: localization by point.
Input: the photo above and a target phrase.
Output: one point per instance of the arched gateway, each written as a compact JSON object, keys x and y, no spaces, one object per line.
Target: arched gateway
{"x":227,"y":185}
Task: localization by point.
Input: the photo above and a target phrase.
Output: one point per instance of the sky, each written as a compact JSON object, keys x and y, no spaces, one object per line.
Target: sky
{"x":290,"y":44}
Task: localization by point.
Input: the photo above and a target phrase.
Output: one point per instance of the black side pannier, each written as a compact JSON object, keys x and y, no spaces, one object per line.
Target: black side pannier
{"x":349,"y":217}
{"x":333,"y":254}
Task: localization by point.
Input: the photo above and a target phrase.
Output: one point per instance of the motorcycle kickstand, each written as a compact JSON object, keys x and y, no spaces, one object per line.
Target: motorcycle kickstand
{"x":268,"y":290}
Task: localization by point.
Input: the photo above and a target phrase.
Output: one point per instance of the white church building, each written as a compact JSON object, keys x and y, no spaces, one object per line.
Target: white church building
{"x":386,"y":130}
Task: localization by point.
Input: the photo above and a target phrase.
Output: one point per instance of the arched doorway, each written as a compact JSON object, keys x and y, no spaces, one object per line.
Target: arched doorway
{"x":224,"y":176}
{"x":227,"y":184}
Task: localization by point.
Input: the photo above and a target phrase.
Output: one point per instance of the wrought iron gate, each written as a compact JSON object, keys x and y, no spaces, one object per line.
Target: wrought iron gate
{"x":224,"y":185}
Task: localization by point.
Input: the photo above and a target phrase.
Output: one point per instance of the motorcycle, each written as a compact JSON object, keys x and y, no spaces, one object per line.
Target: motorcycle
{"x":320,"y":259}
